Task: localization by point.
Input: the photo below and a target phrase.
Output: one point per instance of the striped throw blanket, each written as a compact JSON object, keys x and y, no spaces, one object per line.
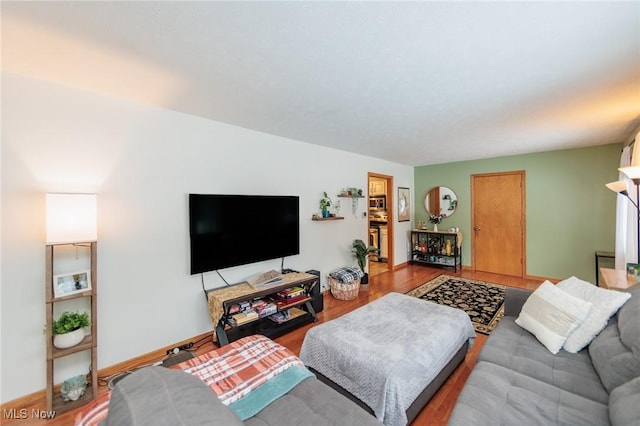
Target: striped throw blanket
{"x":236,"y":369}
{"x":232,"y":372}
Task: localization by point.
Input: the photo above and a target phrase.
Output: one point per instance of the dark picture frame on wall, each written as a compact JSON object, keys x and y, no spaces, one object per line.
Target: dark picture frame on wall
{"x":404,"y":205}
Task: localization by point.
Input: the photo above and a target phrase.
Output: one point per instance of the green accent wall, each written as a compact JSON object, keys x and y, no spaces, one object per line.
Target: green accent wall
{"x":570,"y":213}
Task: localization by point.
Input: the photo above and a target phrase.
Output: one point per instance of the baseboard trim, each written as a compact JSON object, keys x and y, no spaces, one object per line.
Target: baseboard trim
{"x":38,"y":398}
{"x":537,"y":278}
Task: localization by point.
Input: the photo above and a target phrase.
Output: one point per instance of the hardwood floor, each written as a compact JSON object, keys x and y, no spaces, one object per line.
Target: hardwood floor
{"x":402,"y":280}
{"x":376,"y":268}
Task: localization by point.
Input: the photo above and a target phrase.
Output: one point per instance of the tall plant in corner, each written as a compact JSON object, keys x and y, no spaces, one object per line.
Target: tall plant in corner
{"x":361,"y":253}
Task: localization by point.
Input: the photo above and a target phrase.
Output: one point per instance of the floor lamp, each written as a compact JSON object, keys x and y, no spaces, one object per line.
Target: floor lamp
{"x":620,"y":187}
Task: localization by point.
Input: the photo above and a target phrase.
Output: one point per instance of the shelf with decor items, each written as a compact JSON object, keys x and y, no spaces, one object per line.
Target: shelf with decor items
{"x":241,"y":310}
{"x":436,"y":248}
{"x":354,"y":194}
{"x":320,"y":218}
{"x":55,"y":400}
{"x":71,"y":227}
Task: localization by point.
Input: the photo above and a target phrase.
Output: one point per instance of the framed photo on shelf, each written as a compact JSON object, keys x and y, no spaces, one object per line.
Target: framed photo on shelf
{"x":71,"y":283}
{"x":404,"y":206}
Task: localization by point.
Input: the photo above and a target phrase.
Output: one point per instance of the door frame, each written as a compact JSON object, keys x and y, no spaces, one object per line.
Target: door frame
{"x":390,"y":214}
{"x":523,"y":217}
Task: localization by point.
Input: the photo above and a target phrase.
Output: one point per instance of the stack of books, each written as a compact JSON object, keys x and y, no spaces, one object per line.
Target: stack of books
{"x":268,"y":309}
{"x":243,"y":318}
{"x":290,"y":295}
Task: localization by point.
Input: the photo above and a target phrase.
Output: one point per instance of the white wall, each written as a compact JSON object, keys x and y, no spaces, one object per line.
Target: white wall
{"x":142,"y":162}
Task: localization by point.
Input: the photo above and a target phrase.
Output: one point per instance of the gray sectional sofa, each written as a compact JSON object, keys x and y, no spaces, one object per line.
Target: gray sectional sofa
{"x":163,"y":397}
{"x":517,"y":381}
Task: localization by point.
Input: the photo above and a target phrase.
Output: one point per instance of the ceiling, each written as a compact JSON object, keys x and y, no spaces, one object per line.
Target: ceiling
{"x":415,"y":83}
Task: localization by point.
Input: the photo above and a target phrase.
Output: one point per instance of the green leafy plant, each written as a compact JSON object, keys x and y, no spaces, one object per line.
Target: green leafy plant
{"x":70,"y":321}
{"x":325,"y":202}
{"x":361,"y":252}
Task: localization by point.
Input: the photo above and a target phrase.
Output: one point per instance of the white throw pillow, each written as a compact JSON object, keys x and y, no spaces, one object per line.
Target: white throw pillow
{"x":551,"y":314}
{"x":605,"y":304}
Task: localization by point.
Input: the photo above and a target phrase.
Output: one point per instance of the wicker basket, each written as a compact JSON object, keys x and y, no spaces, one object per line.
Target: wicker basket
{"x":344,"y":291}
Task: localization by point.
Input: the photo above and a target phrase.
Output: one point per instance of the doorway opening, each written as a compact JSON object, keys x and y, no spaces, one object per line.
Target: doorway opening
{"x":380,"y":218}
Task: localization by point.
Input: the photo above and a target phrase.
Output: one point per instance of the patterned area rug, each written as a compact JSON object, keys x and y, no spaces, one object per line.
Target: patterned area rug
{"x":483,"y":302}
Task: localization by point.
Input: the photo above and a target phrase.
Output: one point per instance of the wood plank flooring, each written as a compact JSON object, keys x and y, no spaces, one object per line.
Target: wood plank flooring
{"x":402,"y":280}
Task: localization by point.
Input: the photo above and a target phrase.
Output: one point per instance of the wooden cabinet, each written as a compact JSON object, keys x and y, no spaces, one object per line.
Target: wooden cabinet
{"x":437,"y":248}
{"x":223,"y":303}
{"x":378,"y":187}
{"x":90,"y":343}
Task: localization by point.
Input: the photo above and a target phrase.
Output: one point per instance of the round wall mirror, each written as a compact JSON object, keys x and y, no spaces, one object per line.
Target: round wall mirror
{"x":441,"y":200}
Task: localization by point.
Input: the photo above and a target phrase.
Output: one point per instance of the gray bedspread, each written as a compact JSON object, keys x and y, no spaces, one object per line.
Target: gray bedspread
{"x":386,"y":352}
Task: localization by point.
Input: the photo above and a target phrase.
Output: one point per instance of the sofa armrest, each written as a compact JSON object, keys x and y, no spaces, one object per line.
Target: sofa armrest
{"x":514,"y":298}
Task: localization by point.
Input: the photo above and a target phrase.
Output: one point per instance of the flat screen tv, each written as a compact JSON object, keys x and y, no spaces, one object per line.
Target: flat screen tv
{"x":232,"y":230}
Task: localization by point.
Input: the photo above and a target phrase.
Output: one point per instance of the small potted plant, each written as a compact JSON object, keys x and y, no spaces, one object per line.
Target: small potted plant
{"x":325,"y":202}
{"x":361,"y":253}
{"x":68,"y":329}
{"x":436,"y":219}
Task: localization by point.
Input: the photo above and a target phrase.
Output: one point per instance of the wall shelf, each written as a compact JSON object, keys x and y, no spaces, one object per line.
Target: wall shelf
{"x":320,"y":219}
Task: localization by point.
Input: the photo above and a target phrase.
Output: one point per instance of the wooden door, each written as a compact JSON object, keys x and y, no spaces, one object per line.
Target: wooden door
{"x":498,"y":223}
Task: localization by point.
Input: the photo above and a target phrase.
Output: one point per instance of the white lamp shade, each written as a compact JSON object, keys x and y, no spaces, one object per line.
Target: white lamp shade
{"x":71,"y":218}
{"x":619,"y":186}
{"x":632,"y":172}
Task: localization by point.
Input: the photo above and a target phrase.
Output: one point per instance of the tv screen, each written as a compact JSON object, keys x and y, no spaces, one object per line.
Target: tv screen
{"x":232,"y":230}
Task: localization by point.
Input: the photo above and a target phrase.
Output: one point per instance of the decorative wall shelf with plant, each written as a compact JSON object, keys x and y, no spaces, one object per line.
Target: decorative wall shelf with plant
{"x":319,"y":218}
{"x":355,"y":194}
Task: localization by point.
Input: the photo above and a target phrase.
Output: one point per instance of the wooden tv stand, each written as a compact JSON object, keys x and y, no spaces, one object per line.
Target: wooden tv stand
{"x":221,"y":300}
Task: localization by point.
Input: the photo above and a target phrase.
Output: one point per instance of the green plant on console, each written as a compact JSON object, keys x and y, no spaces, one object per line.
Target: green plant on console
{"x":70,"y":321}
{"x":361,"y":252}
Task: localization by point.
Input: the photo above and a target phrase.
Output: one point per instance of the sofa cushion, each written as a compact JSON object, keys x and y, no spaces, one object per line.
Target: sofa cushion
{"x":612,"y":359}
{"x":605,"y":304}
{"x":550,"y":314}
{"x":160,"y":396}
{"x":312,"y":403}
{"x":513,"y":347}
{"x":615,"y":352}
{"x":495,"y":395}
{"x":629,"y":321}
{"x":624,"y":403}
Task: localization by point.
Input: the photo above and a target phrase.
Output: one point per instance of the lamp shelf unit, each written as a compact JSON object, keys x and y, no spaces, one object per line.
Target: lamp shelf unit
{"x":72,"y":296}
{"x":54,"y":398}
{"x":62,"y":406}
{"x":86,"y":344}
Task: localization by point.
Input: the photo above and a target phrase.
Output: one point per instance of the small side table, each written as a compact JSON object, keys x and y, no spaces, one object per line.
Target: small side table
{"x":616,"y":279}
{"x":602,"y":255}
